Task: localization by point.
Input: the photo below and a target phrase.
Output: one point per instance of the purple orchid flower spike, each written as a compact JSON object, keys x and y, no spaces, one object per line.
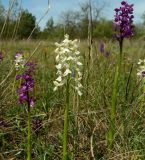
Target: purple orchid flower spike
{"x":123,"y":21}
{"x":27,"y":85}
{"x":102,"y":49}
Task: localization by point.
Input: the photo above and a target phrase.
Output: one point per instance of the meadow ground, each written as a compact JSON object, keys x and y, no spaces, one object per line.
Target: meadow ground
{"x":89,"y":115}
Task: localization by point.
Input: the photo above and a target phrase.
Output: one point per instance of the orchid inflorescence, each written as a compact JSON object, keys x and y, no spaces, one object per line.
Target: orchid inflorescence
{"x":68,"y":64}
{"x":19,"y":61}
{"x":3,"y":123}
{"x":124,"y":21}
{"x":27,"y":85}
{"x":103,"y":50}
{"x":1,"y":57}
{"x":141,"y":69}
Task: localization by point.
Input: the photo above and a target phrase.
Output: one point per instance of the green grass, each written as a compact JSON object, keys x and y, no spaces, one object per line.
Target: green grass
{"x":92,"y":110}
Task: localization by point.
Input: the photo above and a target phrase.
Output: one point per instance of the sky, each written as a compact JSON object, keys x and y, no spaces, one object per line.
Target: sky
{"x":39,"y":7}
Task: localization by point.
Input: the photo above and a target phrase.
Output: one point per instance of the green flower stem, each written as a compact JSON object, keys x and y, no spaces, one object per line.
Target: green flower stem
{"x":13,"y":87}
{"x":114,"y":99}
{"x":29,"y":131}
{"x":66,"y":123}
{"x":143,"y":92}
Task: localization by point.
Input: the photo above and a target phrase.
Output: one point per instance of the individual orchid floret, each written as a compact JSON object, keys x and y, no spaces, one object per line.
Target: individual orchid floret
{"x":19,"y":61}
{"x":68,"y":64}
{"x":3,"y":123}
{"x":141,"y":69}
{"x":1,"y":57}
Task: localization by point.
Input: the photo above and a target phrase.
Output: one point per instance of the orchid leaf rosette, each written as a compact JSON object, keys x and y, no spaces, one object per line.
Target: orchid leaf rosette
{"x":68,"y":64}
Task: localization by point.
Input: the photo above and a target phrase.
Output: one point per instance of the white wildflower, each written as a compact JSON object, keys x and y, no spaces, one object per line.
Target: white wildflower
{"x":79,"y":64}
{"x":59,"y":79}
{"x":67,"y":72}
{"x":68,"y":64}
{"x":58,"y":66}
{"x":19,"y":61}
{"x":140,"y":61}
{"x":141,"y":69}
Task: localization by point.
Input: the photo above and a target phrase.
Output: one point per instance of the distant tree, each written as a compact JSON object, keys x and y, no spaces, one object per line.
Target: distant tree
{"x":98,"y":8}
{"x":14,"y":9}
{"x":13,"y":13}
{"x":91,"y":11}
{"x":2,"y":15}
{"x":70,"y":20}
{"x":48,"y":31}
{"x":27,"y":23}
{"x":50,"y":24}
{"x":2,"y":11}
{"x":52,"y":31}
{"x":103,"y":29}
{"x":140,"y":28}
{"x":143,"y":18}
{"x":59,"y":31}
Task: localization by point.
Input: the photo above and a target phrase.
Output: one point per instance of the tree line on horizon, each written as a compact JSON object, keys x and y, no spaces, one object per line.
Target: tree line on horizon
{"x":19,"y":25}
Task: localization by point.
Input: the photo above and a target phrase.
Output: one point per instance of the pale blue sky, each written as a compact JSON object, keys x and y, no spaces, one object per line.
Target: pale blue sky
{"x":38,"y":8}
